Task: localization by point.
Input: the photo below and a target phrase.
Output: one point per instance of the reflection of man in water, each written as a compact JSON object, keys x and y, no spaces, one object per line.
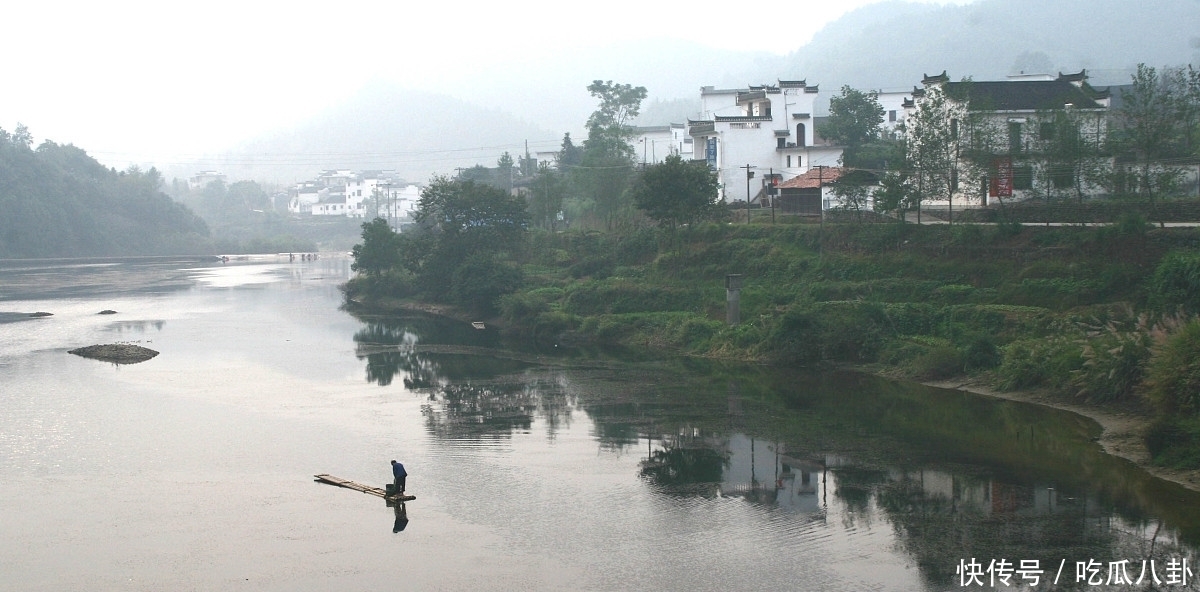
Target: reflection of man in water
{"x":400,"y":474}
{"x":401,"y":518}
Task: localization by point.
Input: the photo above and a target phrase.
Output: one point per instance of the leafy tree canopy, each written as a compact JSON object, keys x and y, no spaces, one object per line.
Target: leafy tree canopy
{"x":854,"y":119}
{"x":678,"y":192}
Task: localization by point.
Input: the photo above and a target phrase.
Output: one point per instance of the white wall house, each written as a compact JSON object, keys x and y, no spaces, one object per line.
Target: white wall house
{"x":1015,"y":120}
{"x":894,"y":111}
{"x":653,"y":144}
{"x":769,"y":127}
{"x":203,"y":178}
{"x":399,"y":204}
{"x":353,"y":194}
{"x":304,"y":196}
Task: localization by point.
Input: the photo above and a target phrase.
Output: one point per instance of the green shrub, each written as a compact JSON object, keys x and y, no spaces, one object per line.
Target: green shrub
{"x":1174,"y":371}
{"x":692,"y":332}
{"x":521,"y":307}
{"x":596,"y":267}
{"x":1176,"y":282}
{"x":1132,"y":224}
{"x":1038,"y":362}
{"x":1114,"y":363}
{"x":953,"y":293}
{"x":1175,"y":442}
{"x":981,"y":353}
{"x":938,"y":362}
{"x":622,"y":296}
{"x":480,"y":281}
{"x":829,"y":331}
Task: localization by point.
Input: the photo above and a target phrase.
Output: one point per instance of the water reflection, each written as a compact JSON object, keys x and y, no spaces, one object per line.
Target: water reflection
{"x":123,"y":327}
{"x":74,"y":278}
{"x":954,"y":475}
{"x":401,"y":516}
{"x":394,"y":346}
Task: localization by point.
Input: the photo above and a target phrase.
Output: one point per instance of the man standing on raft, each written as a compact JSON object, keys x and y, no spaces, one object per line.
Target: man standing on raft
{"x":400,"y":474}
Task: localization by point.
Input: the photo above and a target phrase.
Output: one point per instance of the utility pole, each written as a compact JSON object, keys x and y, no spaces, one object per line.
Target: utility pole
{"x":387,"y":192}
{"x":821,"y":192}
{"x":773,"y":191}
{"x":749,"y":175}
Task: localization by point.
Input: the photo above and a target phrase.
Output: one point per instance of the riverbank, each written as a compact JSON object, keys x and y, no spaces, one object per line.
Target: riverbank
{"x":1060,"y":310}
{"x":1122,"y":429}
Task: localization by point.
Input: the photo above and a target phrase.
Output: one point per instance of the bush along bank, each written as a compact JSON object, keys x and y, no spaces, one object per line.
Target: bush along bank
{"x":1106,"y":315}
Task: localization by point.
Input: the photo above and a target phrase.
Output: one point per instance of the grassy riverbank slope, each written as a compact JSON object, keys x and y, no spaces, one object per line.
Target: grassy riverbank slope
{"x":1087,"y":314}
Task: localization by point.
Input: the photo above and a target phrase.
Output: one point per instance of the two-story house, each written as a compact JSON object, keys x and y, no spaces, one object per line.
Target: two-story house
{"x":756,"y":131}
{"x":1027,"y":136}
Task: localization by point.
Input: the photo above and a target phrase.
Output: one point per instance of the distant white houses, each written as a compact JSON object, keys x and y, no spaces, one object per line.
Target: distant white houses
{"x":203,"y":178}
{"x":355,"y":194}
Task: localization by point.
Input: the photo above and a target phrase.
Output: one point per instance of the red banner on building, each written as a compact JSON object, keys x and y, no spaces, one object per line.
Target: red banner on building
{"x":1002,"y":181}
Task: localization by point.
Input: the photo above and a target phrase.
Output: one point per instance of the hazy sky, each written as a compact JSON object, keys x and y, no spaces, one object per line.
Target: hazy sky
{"x":161,"y":82}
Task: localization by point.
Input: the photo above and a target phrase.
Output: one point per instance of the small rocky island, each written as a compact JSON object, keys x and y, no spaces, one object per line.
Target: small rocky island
{"x":117,"y":353}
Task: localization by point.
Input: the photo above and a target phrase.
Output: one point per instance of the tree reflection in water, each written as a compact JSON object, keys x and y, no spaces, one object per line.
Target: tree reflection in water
{"x":679,"y":469}
{"x":954,"y":476}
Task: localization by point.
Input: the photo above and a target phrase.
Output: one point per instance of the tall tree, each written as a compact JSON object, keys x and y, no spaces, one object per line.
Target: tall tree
{"x":457,"y":219}
{"x":1149,"y":130}
{"x":855,"y":120}
{"x":1069,"y":146}
{"x":606,"y":168}
{"x":930,"y":139}
{"x":504,"y":166}
{"x":546,"y":197}
{"x":380,"y":249}
{"x":678,"y":192}
{"x":569,"y":155}
{"x":619,"y":105}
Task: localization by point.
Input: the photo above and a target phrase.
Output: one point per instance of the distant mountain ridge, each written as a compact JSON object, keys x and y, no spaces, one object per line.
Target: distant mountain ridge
{"x":891,"y":44}
{"x":886,"y":46}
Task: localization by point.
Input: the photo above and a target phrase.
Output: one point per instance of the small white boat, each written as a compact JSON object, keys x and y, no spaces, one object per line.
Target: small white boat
{"x":478,"y":325}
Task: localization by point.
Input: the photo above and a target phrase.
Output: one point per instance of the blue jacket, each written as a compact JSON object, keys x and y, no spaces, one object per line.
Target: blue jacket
{"x":398,"y":470}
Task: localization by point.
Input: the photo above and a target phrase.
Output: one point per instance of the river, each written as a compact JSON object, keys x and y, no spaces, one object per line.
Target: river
{"x":533,"y":470}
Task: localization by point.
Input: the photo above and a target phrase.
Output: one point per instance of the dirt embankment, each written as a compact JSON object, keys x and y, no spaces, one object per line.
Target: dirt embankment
{"x":1122,"y":435}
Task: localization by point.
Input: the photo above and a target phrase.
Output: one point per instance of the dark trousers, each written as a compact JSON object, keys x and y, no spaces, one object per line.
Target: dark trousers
{"x":400,"y":483}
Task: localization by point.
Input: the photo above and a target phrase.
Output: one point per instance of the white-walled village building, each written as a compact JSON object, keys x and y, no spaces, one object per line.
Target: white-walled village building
{"x":769,"y":128}
{"x":1015,"y":119}
{"x":653,"y":144}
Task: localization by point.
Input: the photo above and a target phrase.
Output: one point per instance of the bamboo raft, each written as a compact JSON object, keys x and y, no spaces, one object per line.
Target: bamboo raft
{"x":375,"y":491}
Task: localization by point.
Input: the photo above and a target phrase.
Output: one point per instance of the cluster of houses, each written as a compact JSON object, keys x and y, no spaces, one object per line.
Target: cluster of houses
{"x":356,"y":194}
{"x":765,"y":143}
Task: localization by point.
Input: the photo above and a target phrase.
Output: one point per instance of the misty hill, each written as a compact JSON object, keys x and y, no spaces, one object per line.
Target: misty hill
{"x":59,"y":202}
{"x":887,"y":46}
{"x":387,"y":127}
{"x":890,"y":45}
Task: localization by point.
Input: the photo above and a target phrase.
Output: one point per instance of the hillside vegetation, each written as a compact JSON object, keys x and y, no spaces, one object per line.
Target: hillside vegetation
{"x":57,"y":202}
{"x":1105,"y":314}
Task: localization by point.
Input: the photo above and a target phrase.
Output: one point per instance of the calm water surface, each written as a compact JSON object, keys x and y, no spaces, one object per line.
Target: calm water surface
{"x":533,"y":470}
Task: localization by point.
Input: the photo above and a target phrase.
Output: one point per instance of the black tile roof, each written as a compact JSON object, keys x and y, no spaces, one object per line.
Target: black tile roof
{"x":1021,"y":95}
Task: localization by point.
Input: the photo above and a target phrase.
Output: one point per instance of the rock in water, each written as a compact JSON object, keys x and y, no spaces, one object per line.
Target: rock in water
{"x":117,"y":353}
